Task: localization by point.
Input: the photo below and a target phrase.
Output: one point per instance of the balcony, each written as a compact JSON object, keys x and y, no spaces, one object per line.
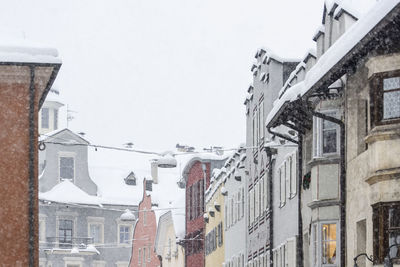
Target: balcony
{"x":68,"y":242}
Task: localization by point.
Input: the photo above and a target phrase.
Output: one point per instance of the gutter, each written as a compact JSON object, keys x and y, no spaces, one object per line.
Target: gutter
{"x":342,"y":201}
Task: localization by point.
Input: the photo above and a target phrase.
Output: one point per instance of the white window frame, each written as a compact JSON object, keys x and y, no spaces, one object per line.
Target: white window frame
{"x":96,"y":221}
{"x":318,"y":227}
{"x":73,"y":218}
{"x":130,"y":234}
{"x":282,"y":185}
{"x":48,"y":118}
{"x":318,"y":134}
{"x":42,"y":228}
{"x":65,"y":154}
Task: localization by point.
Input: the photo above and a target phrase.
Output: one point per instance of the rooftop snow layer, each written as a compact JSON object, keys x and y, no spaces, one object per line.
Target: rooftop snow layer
{"x":335,"y":53}
{"x":67,"y":192}
{"x":22,"y":51}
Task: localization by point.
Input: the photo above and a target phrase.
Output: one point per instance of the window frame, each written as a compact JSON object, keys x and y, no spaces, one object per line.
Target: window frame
{"x":42,"y":121}
{"x":129,"y":234}
{"x":376,"y":98}
{"x":318,"y":137}
{"x":96,"y":221}
{"x":65,"y":154}
{"x":318,"y":245}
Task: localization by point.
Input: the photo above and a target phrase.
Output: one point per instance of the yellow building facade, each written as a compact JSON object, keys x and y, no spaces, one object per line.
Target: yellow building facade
{"x":214,"y":234}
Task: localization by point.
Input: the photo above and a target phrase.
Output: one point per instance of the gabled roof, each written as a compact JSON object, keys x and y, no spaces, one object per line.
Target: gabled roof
{"x":56,"y":136}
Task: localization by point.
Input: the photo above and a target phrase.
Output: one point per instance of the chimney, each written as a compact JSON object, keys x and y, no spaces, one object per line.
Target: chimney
{"x":154,"y":171}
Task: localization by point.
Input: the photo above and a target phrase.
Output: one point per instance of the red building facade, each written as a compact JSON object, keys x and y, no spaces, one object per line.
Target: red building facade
{"x":197,"y":175}
{"x":144,"y":234}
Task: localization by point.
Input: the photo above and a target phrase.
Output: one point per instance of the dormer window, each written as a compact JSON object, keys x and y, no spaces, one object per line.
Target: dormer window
{"x":45,"y":118}
{"x":131,"y":179}
{"x":67,"y":167}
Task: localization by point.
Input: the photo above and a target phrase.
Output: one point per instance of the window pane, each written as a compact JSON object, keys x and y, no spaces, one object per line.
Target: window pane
{"x":55,"y":119}
{"x":67,"y":167}
{"x":391,"y":83}
{"x":329,"y":243}
{"x":95,"y":233}
{"x":329,"y":141}
{"x":45,"y":118}
{"x":391,"y":105}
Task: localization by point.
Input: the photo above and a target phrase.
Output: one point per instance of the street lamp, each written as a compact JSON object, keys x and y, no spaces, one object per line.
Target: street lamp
{"x":128,"y":216}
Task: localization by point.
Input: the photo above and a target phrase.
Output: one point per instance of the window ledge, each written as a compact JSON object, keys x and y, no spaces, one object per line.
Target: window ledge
{"x":383,"y":132}
{"x":334,"y":159}
{"x":383,"y":175}
{"x":323,"y":203}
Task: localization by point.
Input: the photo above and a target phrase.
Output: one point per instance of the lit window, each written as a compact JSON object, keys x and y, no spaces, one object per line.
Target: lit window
{"x":124,"y":234}
{"x":45,"y":118}
{"x":329,"y":244}
{"x":67,"y":168}
{"x":385,"y":98}
{"x":324,"y":244}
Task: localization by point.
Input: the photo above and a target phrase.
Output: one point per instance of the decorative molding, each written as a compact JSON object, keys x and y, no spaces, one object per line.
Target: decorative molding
{"x":323,"y":203}
{"x":383,"y":175}
{"x":383,"y":133}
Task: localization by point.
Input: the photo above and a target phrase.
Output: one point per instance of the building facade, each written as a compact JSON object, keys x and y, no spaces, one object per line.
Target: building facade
{"x":167,"y":243}
{"x":269,"y":72}
{"x":214,"y":246}
{"x":346,"y":116}
{"x":144,"y":234}
{"x":196,"y":179}
{"x":26,"y":76}
{"x":233,"y":175}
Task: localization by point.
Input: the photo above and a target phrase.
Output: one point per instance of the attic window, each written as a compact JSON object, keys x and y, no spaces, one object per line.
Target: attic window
{"x":149,"y":185}
{"x":67,"y":168}
{"x":45,"y":118}
{"x":130,"y":179}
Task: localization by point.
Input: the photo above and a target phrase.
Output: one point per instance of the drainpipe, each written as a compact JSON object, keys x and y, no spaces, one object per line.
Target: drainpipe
{"x":270,"y":151}
{"x":342,"y":183}
{"x":299,"y":246}
{"x":31,"y":168}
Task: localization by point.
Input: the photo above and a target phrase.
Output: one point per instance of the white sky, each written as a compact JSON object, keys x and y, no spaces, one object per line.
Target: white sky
{"x":161,"y":72}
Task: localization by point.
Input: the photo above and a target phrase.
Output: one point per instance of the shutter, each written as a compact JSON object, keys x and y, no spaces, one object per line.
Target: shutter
{"x":287,"y":177}
{"x":291,"y":253}
{"x":294,"y":174}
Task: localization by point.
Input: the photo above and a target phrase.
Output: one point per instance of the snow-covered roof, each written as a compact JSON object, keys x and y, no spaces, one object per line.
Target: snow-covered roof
{"x":23,"y":51}
{"x":67,"y":192}
{"x":269,"y":54}
{"x":343,"y":46}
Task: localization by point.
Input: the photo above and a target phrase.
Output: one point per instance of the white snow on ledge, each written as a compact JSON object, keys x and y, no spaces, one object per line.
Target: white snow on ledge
{"x":22,"y":51}
{"x":335,"y":53}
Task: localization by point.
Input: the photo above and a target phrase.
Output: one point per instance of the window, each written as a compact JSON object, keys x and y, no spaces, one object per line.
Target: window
{"x":386,"y":225}
{"x":124,"y":234}
{"x":324,"y":244}
{"x":67,"y":168}
{"x":65,"y":233}
{"x":96,"y":232}
{"x":45,"y":118}
{"x":139,"y":256}
{"x":329,"y":243}
{"x":144,"y":216}
{"x":325,"y":135}
{"x":42,"y":228}
{"x":261,"y":120}
{"x":144,"y":256}
{"x":55,"y":119}
{"x":293,"y":175}
{"x":385,"y":98}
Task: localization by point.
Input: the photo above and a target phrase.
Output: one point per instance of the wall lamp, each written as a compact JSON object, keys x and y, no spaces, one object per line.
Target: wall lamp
{"x":370,"y":258}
